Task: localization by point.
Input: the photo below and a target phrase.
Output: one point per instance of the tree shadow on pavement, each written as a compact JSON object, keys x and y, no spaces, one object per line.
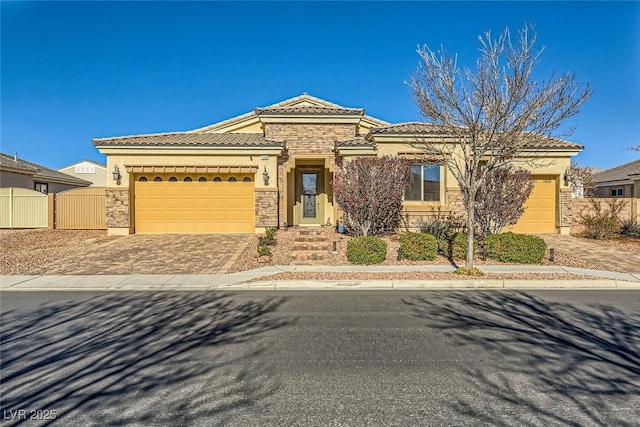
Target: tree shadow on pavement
{"x":550,"y":363}
{"x":143,"y":358}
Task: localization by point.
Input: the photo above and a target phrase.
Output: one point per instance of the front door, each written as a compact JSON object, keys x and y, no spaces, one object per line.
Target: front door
{"x":309,"y":186}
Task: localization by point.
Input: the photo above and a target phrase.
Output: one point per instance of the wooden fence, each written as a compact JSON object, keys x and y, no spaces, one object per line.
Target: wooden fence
{"x":23,"y":208}
{"x":81,"y":209}
{"x":78,"y":209}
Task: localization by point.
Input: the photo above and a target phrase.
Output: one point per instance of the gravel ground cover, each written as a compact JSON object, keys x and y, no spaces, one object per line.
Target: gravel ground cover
{"x":25,"y":251}
{"x":418,"y":275}
{"x":281,"y":253}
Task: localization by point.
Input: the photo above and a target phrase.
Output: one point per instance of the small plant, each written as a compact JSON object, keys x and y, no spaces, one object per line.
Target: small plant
{"x":418,"y":246}
{"x":603,"y":223}
{"x":468,"y":271}
{"x":366,"y":250}
{"x":269,"y":238}
{"x":455,"y":247}
{"x":630,"y":228}
{"x":264,"y":250}
{"x":519,"y":248}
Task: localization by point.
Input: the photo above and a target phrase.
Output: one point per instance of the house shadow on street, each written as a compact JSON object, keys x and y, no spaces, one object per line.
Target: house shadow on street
{"x":141,"y":358}
{"x":539,"y":362}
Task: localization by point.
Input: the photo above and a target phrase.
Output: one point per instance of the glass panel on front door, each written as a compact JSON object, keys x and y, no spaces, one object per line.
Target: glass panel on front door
{"x":309,"y":192}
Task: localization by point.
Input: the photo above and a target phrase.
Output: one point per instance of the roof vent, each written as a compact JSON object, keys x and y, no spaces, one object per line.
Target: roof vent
{"x":15,"y":156}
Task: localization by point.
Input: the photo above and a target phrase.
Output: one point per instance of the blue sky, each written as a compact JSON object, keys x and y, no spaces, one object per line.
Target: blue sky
{"x":76,"y":71}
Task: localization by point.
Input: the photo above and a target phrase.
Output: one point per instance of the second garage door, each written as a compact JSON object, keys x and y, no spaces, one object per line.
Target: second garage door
{"x":168,"y":204}
{"x":540,"y":209}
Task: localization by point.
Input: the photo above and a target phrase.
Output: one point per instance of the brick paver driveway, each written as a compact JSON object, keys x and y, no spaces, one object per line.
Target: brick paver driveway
{"x":599,"y":255}
{"x":156,"y":254}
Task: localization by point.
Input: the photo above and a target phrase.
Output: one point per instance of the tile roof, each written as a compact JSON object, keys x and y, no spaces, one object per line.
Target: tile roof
{"x":8,"y":162}
{"x":183,"y":139}
{"x":619,"y":173}
{"x":420,"y":128}
{"x":40,"y":172}
{"x":308,"y":110}
{"x":356,"y":142}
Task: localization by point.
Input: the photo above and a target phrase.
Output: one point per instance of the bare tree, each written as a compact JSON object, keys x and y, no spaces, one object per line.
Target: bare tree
{"x":369,"y":190}
{"x":500,"y":202}
{"x":581,"y":180}
{"x":492,"y":115}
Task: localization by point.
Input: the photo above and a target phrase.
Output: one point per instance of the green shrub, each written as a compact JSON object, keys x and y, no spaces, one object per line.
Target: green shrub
{"x":266,"y":241}
{"x":455,"y":247}
{"x":519,"y":248}
{"x":270,"y":232}
{"x":468,"y":272}
{"x":366,"y":250}
{"x":438,"y":228}
{"x":418,"y":246}
{"x":264,"y":250}
{"x":630,"y":228}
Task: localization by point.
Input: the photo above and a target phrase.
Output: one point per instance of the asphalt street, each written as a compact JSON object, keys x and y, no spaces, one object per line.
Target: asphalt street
{"x":321,"y":358}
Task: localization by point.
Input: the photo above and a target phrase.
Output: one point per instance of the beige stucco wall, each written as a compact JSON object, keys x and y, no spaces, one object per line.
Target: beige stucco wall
{"x":186,"y":158}
{"x":97,"y":179}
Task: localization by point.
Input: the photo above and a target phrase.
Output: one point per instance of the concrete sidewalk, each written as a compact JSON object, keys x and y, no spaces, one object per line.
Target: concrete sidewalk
{"x":606,"y":280}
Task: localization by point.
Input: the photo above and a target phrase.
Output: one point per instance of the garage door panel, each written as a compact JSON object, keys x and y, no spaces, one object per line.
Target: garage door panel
{"x":194,"y":207}
{"x":540,"y":209}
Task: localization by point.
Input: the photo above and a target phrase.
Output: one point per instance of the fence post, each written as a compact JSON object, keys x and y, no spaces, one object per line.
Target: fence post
{"x":11,"y":207}
{"x":52,"y":210}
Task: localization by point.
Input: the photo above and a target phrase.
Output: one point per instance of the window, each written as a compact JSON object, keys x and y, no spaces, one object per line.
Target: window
{"x":246,"y":179}
{"x":143,"y":179}
{"x":232,"y":179}
{"x":173,"y":179}
{"x":85,"y":168}
{"x":157,"y":179}
{"x":187,"y":179}
{"x":202,"y":179}
{"x":424,"y":183}
{"x":42,"y":187}
{"x":617,"y":192}
{"x":217,"y":179}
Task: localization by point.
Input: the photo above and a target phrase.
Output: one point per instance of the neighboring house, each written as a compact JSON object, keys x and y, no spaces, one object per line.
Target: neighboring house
{"x":16,"y":172}
{"x":274,"y":166}
{"x":91,"y":171}
{"x":621,"y":181}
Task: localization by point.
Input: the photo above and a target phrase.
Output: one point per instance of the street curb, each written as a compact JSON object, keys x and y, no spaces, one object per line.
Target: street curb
{"x":389,"y":285}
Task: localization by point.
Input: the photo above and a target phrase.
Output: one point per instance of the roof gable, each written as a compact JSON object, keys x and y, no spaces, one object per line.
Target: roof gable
{"x":299,"y":105}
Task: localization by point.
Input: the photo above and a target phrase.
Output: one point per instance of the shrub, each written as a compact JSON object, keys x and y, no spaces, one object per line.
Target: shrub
{"x":455,"y":247}
{"x":266,"y":241}
{"x":519,"y":248}
{"x":438,"y":228}
{"x":366,"y":250}
{"x":630,"y":228}
{"x":264,"y":250}
{"x":369,"y":190}
{"x":468,"y":271}
{"x":418,"y":246}
{"x":270,"y":232}
{"x":603,"y":223}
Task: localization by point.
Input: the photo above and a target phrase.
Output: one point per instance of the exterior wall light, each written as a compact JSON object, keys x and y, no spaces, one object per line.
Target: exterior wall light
{"x":116,"y":174}
{"x":265,"y":176}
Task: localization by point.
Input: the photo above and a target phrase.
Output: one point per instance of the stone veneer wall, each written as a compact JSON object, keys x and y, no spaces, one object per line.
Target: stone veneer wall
{"x":304,"y":138}
{"x":117,"y":208}
{"x":565,"y":208}
{"x":266,"y":208}
{"x":309,"y":138}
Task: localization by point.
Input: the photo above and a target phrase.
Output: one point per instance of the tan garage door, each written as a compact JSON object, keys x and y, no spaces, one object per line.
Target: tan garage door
{"x":540,"y":209}
{"x":168,"y":204}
